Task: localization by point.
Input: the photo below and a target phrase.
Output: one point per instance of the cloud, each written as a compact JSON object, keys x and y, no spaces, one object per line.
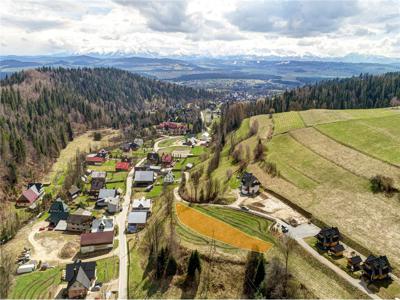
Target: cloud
{"x":31,"y":25}
{"x":164,"y":16}
{"x":293,"y":18}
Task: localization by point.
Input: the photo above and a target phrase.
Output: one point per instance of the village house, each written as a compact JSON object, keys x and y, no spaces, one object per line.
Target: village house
{"x":143,"y":178}
{"x":354,"y":263}
{"x":80,"y":276}
{"x":169,"y":178}
{"x":103,"y":153}
{"x":97,"y":241}
{"x":58,"y":214}
{"x":113,"y":204}
{"x":126,"y":147}
{"x":142,"y":205}
{"x":166,"y":160}
{"x":376,"y":268}
{"x":93,"y":159}
{"x":103,"y":224}
{"x":122,"y":166}
{"x":328,"y":237}
{"x":73,"y":192}
{"x":337,"y":250}
{"x":98,"y":181}
{"x":33,"y":193}
{"x":153,"y":158}
{"x":172,"y":128}
{"x":105,"y":194}
{"x":79,"y":221}
{"x":136,"y":221}
{"x":138,"y":141}
{"x":249,"y":184}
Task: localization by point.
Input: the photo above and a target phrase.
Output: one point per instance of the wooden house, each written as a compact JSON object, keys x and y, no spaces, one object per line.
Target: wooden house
{"x":354,"y":263}
{"x":249,"y":184}
{"x":153,"y":158}
{"x":80,"y":276}
{"x":166,"y":160}
{"x":328,"y":237}
{"x":143,"y":178}
{"x":97,"y":241}
{"x":33,"y":193}
{"x":80,"y":221}
{"x":376,"y":268}
{"x":98,"y":181}
{"x":59,"y":211}
{"x":122,"y":166}
{"x":337,"y":250}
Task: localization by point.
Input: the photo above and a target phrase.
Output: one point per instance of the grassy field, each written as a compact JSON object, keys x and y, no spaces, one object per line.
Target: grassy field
{"x":320,"y":116}
{"x":287,"y":121}
{"x":36,"y":285}
{"x":108,"y":166}
{"x":82,"y":143}
{"x":170,"y":141}
{"x":378,"y":137}
{"x":107,"y":269}
{"x":346,"y":157}
{"x":171,"y":149}
{"x":219,"y":230}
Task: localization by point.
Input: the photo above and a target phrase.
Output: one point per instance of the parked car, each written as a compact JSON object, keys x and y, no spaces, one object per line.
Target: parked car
{"x":148,"y":188}
{"x":245,"y":208}
{"x":284,"y":229}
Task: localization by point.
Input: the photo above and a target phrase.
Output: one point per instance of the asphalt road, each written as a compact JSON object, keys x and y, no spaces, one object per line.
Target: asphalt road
{"x":123,"y":251}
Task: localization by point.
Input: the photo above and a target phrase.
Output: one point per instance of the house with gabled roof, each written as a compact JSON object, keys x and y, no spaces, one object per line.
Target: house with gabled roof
{"x":143,"y":178}
{"x":122,"y":166}
{"x":93,"y":159}
{"x":153,"y":158}
{"x":328,"y":237}
{"x":80,"y":276}
{"x":98,"y":181}
{"x":59,"y":211}
{"x":103,"y":224}
{"x":33,"y":193}
{"x":376,"y":268}
{"x":166,"y":160}
{"x":80,"y":221}
{"x":249,"y":184}
{"x":142,"y":205}
{"x":136,"y":221}
{"x":73,"y":191}
{"x":169,"y":178}
{"x":97,"y":241}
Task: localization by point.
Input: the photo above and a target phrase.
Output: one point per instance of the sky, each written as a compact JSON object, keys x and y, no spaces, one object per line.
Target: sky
{"x":201,"y":27}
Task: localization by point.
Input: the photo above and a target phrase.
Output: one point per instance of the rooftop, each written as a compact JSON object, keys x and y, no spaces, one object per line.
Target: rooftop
{"x":137,"y":217}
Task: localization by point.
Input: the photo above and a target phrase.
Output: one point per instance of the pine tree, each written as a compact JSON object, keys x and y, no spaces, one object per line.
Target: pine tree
{"x":194,"y":264}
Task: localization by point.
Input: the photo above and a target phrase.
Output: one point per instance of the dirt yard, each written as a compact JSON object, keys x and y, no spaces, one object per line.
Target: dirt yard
{"x":274,"y":207}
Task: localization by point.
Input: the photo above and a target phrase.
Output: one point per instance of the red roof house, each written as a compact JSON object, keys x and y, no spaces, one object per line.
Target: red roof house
{"x":30,"y":195}
{"x":166,"y":159}
{"x":95,"y":241}
{"x":92,"y":159}
{"x":122,"y":166}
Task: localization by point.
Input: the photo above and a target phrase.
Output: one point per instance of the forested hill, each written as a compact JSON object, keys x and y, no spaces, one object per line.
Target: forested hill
{"x":41,"y":109}
{"x":364,"y":91}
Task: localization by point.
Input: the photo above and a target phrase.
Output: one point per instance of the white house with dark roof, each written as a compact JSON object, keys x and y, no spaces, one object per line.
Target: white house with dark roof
{"x":142,"y":205}
{"x":103,"y":224}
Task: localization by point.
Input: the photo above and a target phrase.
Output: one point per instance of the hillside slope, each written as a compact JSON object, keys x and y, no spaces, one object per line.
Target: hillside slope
{"x":325,"y":169}
{"x":41,"y":110}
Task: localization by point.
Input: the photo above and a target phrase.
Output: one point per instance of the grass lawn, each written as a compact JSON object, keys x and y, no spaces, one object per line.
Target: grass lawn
{"x":37,"y":285}
{"x":287,"y":121}
{"x":155,"y":191}
{"x":116,"y":176}
{"x":108,"y":166}
{"x":183,"y":161}
{"x":378,"y":137}
{"x":136,"y":282}
{"x":198,"y":150}
{"x":107,"y":269}
{"x":116,"y":185}
{"x":174,"y":148}
{"x":169,"y":142}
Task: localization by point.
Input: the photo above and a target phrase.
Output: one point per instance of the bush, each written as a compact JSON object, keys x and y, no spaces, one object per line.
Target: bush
{"x":194,"y":264}
{"x":97,"y":136}
{"x":382,"y":184}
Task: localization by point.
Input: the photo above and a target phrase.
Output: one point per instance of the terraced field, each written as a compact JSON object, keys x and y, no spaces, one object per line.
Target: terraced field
{"x":325,"y":169}
{"x":320,"y":116}
{"x":378,"y":137}
{"x":219,"y":230}
{"x":37,"y":285}
{"x":287,"y":121}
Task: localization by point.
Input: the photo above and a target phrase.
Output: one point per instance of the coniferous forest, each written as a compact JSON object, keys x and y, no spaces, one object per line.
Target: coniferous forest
{"x":41,"y":110}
